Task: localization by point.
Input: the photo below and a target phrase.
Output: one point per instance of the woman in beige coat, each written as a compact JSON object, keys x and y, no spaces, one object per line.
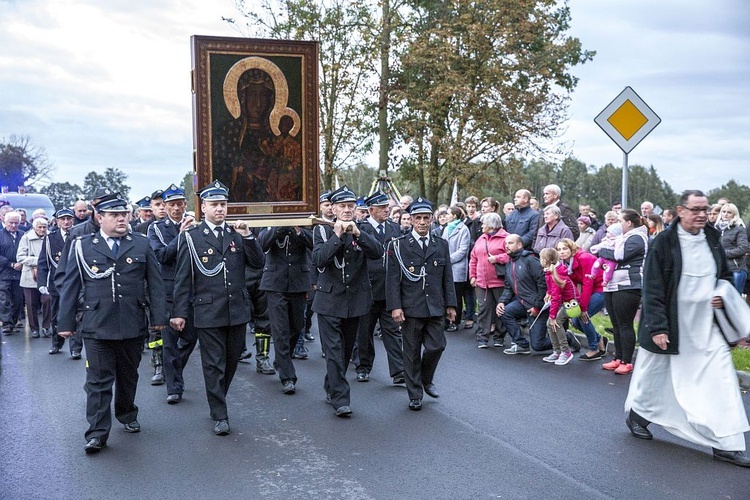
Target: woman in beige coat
{"x":29,"y":250}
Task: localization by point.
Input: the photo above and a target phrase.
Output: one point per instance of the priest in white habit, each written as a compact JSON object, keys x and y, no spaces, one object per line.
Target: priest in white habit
{"x":684,"y":379}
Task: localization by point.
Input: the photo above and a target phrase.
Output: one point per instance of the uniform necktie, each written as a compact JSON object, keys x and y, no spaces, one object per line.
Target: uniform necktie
{"x":219,"y":234}
{"x":380,"y":230}
{"x":64,"y":236}
{"x":423,"y":243}
{"x":115,"y":245}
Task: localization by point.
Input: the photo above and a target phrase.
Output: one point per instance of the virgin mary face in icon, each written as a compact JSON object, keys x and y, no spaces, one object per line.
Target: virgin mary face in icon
{"x":256,"y":94}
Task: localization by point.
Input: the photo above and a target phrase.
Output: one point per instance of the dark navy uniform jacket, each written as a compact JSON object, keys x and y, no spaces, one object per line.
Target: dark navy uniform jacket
{"x":114,"y":307}
{"x":376,"y":267}
{"x":162,"y":235}
{"x":429,"y":296}
{"x":52,"y":248}
{"x":222,"y":299}
{"x":286,"y":269}
{"x":343,"y":288}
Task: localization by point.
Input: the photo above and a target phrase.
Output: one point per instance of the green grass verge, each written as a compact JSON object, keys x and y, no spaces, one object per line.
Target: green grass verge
{"x":740,"y":356}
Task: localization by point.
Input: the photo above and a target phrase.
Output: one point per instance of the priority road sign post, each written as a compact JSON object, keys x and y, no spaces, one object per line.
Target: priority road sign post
{"x":627,"y":120}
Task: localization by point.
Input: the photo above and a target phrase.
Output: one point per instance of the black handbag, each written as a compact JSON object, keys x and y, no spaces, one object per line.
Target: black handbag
{"x":499,"y":268}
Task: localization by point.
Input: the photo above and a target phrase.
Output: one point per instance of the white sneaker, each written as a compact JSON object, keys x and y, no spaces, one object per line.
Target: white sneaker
{"x":552,"y":358}
{"x":564,"y":358}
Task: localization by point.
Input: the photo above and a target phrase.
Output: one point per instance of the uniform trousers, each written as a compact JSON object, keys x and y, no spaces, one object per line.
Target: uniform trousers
{"x":259,"y":307}
{"x":176,"y":350}
{"x":221,"y":348}
{"x":337,"y":336}
{"x":111,"y":362}
{"x":286,"y":311}
{"x":419,"y":367}
{"x":74,"y":343}
{"x":391,"y":340}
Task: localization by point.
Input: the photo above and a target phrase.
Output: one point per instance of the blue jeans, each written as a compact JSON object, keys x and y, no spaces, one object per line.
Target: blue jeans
{"x":596,"y":302}
{"x":739,"y":280}
{"x":514,"y":312}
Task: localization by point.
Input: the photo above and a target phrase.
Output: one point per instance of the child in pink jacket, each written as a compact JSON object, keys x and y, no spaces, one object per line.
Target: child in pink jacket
{"x":560,"y":289}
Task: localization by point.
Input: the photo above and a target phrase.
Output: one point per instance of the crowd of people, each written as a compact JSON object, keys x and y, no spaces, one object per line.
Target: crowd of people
{"x":518,"y":275}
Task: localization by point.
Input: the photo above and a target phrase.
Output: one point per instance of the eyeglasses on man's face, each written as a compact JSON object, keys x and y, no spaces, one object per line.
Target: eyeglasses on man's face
{"x":697,"y":210}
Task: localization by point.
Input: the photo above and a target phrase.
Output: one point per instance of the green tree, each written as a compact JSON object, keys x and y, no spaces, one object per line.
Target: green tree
{"x":62,"y":194}
{"x":22,"y":163}
{"x":112,"y":178}
{"x":343,"y":29}
{"x":480,"y":81}
{"x":189,"y":187}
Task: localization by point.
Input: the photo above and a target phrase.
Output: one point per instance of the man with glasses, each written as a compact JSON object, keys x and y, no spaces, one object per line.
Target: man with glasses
{"x":684,"y":378}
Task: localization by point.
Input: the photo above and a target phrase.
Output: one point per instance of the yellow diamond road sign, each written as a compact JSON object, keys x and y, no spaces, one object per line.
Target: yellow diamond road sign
{"x":627,"y":120}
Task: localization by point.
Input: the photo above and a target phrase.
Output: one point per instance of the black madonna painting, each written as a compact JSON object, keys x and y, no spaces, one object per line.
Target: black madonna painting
{"x":256,"y":123}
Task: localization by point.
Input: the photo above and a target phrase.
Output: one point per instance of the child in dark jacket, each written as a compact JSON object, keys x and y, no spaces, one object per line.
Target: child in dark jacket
{"x":560,"y":290}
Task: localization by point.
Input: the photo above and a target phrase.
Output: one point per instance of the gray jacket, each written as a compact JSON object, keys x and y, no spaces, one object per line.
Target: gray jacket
{"x":459,"y":244}
{"x":734,"y":242}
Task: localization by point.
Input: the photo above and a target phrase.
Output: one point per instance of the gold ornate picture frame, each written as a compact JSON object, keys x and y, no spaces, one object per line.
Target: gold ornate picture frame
{"x":255,"y":125}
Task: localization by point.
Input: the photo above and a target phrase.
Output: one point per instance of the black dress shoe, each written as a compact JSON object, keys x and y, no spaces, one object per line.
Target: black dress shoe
{"x":363,"y":377}
{"x":95,"y":445}
{"x":75,"y":355}
{"x":221,"y":428}
{"x":399,"y":379}
{"x":288,"y":387}
{"x":7,"y":331}
{"x":343,"y":411}
{"x":54,"y":350}
{"x":415,"y":404}
{"x":431,"y":390}
{"x":133,"y":427}
{"x":637,"y":426}
{"x":173,"y":399}
{"x":733,"y":457}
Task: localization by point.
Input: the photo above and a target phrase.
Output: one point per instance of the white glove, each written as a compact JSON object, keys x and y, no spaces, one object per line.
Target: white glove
{"x":43,"y":290}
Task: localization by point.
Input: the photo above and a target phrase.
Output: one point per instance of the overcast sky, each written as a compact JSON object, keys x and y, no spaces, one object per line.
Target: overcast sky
{"x":106,"y":84}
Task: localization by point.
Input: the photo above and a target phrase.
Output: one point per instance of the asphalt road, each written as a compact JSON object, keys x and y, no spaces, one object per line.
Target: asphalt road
{"x":504,"y":427}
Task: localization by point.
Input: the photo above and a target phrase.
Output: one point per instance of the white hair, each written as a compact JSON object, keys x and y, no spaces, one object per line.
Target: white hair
{"x":39,"y":221}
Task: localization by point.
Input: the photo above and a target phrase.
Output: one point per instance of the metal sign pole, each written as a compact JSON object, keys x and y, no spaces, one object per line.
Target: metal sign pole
{"x":624,"y":194}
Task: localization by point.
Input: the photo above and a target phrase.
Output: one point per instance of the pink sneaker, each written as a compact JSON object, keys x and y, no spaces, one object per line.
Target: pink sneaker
{"x":624,"y":369}
{"x":612,"y":365}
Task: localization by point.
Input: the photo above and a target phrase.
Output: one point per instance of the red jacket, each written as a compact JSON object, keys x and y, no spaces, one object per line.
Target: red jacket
{"x":480,"y":268}
{"x":559,"y":294}
{"x":582,"y":262}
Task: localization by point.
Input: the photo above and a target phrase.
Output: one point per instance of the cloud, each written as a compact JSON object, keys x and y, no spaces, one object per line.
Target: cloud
{"x":688,"y":62}
{"x":102,"y":84}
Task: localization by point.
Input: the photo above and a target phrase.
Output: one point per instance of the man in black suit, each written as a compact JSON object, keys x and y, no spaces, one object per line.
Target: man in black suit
{"x":111,"y":271}
{"x":420,"y":294}
{"x":343,"y":292}
{"x":383,"y":230}
{"x":209,"y":284}
{"x":52,"y":248}
{"x":286,"y":281}
{"x":11,"y":295}
{"x":176,"y":346}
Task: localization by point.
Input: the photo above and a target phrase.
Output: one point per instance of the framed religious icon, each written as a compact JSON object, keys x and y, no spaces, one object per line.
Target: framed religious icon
{"x":255,"y":125}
